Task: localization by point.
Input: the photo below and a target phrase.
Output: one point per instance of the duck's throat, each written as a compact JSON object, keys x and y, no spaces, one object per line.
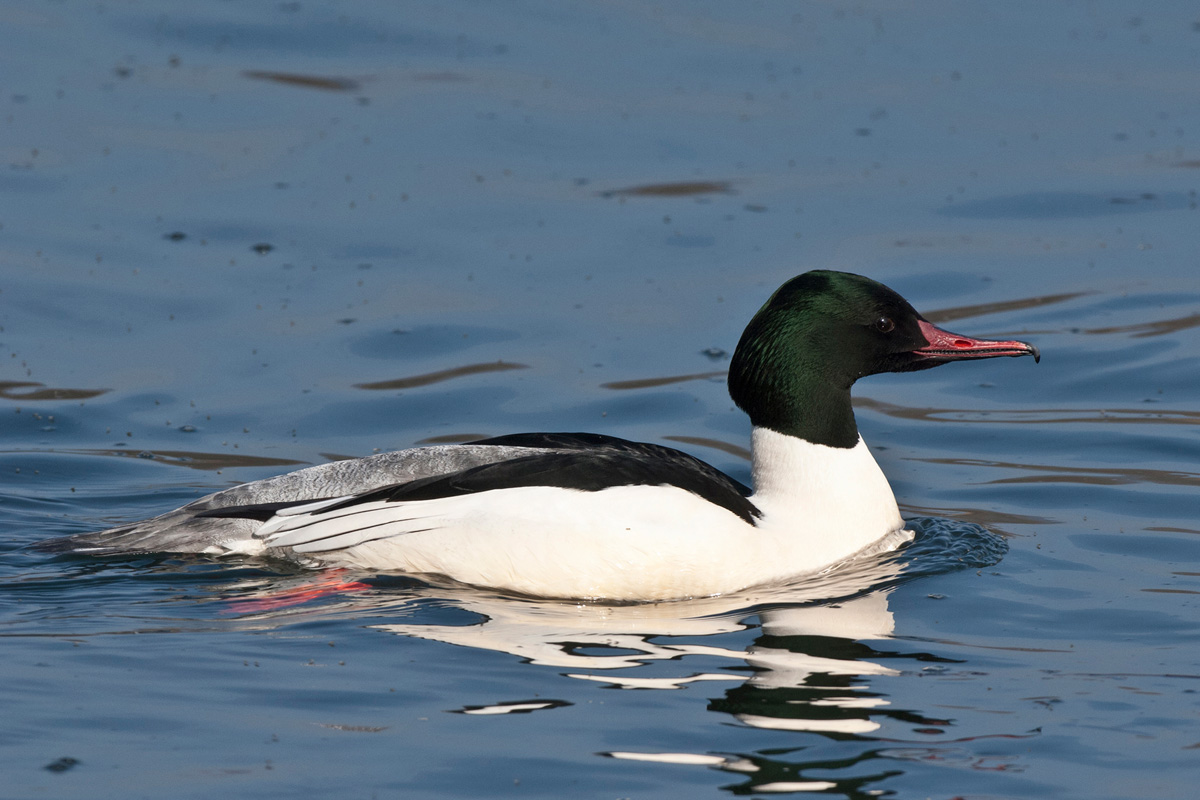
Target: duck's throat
{"x":819,"y":414}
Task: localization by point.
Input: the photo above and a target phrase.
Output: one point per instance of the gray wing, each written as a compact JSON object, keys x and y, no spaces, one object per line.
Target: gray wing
{"x":183,"y":531}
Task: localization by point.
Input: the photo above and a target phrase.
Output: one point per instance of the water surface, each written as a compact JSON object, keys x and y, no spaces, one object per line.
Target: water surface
{"x":240,"y":239}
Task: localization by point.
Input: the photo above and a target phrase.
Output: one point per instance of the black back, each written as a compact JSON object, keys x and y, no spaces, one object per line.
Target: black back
{"x":586,"y":462}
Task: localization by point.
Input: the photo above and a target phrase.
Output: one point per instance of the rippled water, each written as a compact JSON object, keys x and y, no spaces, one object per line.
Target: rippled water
{"x":238,"y":239}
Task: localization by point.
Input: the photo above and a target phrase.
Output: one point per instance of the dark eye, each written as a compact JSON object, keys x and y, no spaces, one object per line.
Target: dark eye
{"x":885,"y":325}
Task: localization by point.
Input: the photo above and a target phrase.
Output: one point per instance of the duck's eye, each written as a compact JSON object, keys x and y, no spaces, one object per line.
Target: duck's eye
{"x":885,"y":325}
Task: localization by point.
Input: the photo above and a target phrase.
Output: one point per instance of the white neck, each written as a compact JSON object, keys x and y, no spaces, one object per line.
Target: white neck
{"x":831,"y":501}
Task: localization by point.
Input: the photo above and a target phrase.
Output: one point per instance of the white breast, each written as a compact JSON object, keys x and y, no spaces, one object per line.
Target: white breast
{"x":820,"y":504}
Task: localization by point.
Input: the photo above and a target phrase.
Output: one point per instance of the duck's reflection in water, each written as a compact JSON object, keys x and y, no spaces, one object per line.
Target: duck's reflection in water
{"x":610,"y":642}
{"x":813,"y":649}
{"x":809,"y":668}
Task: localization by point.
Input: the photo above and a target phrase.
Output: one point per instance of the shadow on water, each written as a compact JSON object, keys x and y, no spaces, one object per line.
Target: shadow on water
{"x":324,"y":83}
{"x":680,"y":189}
{"x":1069,"y":205}
{"x":998,"y":307}
{"x":31,"y":391}
{"x":440,"y":376}
{"x":1033,"y":416}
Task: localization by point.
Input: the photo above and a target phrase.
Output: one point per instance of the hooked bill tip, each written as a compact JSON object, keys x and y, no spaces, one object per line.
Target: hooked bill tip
{"x":943,"y":344}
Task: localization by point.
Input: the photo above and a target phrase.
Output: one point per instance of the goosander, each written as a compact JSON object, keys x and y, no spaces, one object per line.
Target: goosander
{"x":586,"y":516}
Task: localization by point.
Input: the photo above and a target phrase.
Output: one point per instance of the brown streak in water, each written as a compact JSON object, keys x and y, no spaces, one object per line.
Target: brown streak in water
{"x":31,"y":393}
{"x":682,"y":189}
{"x":1143,"y":329}
{"x":1086,"y":480}
{"x":426,"y":379}
{"x":715,"y":444}
{"x":191,"y":460}
{"x":650,"y":383}
{"x":337,"y":457}
{"x":980,"y":738}
{"x":304,"y":81}
{"x":974,"y":708}
{"x":453,"y":438}
{"x":1183,"y":675}
{"x":1175,"y":530}
{"x":977,"y":646}
{"x":1171,"y":591}
{"x":1087,"y":475}
{"x":1032,"y":416}
{"x":984,"y":517}
{"x":965,"y":312}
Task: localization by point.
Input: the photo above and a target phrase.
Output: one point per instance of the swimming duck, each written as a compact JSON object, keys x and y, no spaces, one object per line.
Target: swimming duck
{"x":586,"y":516}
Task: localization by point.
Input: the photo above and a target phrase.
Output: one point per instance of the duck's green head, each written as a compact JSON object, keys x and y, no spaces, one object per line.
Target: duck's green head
{"x":819,"y":333}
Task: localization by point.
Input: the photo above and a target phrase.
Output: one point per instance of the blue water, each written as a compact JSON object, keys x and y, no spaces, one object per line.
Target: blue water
{"x":240,"y":238}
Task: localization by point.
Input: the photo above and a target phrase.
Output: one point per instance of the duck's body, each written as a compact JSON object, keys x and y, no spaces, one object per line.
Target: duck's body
{"x":631,"y":540}
{"x":588,"y":516}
